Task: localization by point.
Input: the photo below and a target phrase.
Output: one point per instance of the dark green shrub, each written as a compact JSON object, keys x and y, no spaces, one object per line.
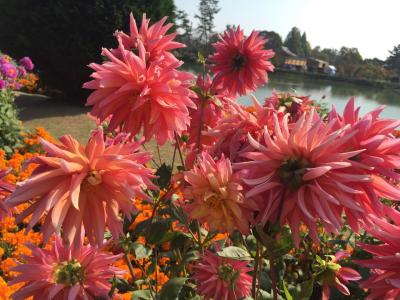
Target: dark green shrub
{"x":10,"y":126}
{"x":63,"y":36}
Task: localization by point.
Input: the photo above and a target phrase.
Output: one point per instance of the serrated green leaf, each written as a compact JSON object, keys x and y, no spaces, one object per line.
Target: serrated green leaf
{"x":141,"y":251}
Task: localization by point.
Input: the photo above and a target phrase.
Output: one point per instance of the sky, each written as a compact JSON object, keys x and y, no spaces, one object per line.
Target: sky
{"x":369,"y":25}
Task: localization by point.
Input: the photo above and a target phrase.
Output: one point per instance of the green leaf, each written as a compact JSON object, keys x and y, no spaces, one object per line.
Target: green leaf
{"x":158,"y":230}
{"x":141,"y":251}
{"x":287,"y":294}
{"x":235,"y":253}
{"x":302,"y":291}
{"x":164,"y":173}
{"x":171,"y":290}
{"x":122,"y":285}
{"x":141,"y":295}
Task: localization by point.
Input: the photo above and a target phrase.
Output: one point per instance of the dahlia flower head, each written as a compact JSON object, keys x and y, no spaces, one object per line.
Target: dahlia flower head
{"x":211,"y":104}
{"x":216,"y":197}
{"x":5,"y":189}
{"x":384,"y":279}
{"x":332,"y":274}
{"x":241,"y":63}
{"x":140,"y":97}
{"x":83,"y":189}
{"x":154,"y":38}
{"x":291,"y":104}
{"x":222,"y":278}
{"x":65,"y":273}
{"x":231,"y":133}
{"x":305,"y":174}
{"x":381,"y":156}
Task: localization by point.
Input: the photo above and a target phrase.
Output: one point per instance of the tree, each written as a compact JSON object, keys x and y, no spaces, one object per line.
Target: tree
{"x":208,"y":9}
{"x":349,"y":61}
{"x":185,"y":29}
{"x":393,"y":61}
{"x":293,"y":41}
{"x":275,"y":43}
{"x":62,"y":37}
{"x":306,"y":45}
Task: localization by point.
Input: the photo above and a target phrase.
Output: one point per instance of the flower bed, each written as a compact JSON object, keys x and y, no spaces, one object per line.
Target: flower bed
{"x":285,"y":198}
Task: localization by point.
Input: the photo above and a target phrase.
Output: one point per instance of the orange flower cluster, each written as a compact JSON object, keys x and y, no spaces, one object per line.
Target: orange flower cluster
{"x":29,"y":82}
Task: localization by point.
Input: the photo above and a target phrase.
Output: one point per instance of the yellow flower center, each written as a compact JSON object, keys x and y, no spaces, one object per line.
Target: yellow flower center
{"x":68,"y":273}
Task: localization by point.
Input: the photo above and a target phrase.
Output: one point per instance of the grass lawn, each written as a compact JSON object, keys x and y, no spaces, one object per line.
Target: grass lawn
{"x":59,"y":118}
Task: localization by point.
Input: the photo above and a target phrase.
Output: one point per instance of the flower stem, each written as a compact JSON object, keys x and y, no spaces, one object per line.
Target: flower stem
{"x":272,"y":270}
{"x":198,"y":144}
{"x":129,"y":264}
{"x":179,"y":150}
{"x":255,"y":271}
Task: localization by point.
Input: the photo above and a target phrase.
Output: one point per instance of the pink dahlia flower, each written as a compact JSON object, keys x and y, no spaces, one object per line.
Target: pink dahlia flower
{"x":381,"y":155}
{"x":66,"y":273}
{"x":76,"y":185}
{"x":241,"y":63}
{"x":216,"y":196}
{"x":384,"y":280}
{"x":136,"y":96}
{"x":211,"y":104}
{"x":154,"y":39}
{"x":301,"y":175}
{"x":222,"y":278}
{"x":5,"y":189}
{"x":231,"y":133}
{"x":332,"y":274}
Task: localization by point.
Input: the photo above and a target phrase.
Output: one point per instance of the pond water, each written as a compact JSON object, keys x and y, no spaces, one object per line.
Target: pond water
{"x":332,"y":93}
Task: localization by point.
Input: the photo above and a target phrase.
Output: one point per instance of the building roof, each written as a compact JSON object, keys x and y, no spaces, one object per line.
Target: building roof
{"x":288,"y":52}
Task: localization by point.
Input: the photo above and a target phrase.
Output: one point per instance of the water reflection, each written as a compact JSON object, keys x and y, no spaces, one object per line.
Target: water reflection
{"x":336,"y":93}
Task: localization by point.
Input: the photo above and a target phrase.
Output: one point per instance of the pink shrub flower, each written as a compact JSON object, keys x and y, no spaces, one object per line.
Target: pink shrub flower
{"x":138,"y":97}
{"x":156,"y":42}
{"x":222,"y":278}
{"x":65,"y":273}
{"x":384,"y":280}
{"x":241,"y":63}
{"x":76,"y":185}
{"x":217,"y":196}
{"x":301,"y":175}
{"x":332,"y":274}
{"x":26,"y":62}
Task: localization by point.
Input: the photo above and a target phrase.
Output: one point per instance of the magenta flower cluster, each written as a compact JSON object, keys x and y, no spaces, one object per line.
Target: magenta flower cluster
{"x":11,"y":71}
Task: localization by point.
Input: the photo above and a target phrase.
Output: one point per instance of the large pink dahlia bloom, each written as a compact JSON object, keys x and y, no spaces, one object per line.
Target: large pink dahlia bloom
{"x":381,"y":155}
{"x":136,"y":96}
{"x":300,"y":175}
{"x":222,"y":278}
{"x":384,"y":280}
{"x":241,"y":63}
{"x":65,"y":273}
{"x":216,"y":195}
{"x":76,"y":185}
{"x":154,"y":39}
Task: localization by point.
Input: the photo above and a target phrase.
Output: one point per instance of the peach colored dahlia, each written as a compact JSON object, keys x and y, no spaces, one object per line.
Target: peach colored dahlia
{"x":222,"y":278}
{"x":65,"y":273}
{"x":75,"y":185}
{"x":300,"y":176}
{"x":216,"y":196}
{"x":241,"y":63}
{"x":136,"y":96}
{"x":5,"y":189}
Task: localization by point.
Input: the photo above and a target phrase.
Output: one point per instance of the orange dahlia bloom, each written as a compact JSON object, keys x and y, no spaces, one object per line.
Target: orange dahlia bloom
{"x":216,"y":196}
{"x":76,"y":185}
